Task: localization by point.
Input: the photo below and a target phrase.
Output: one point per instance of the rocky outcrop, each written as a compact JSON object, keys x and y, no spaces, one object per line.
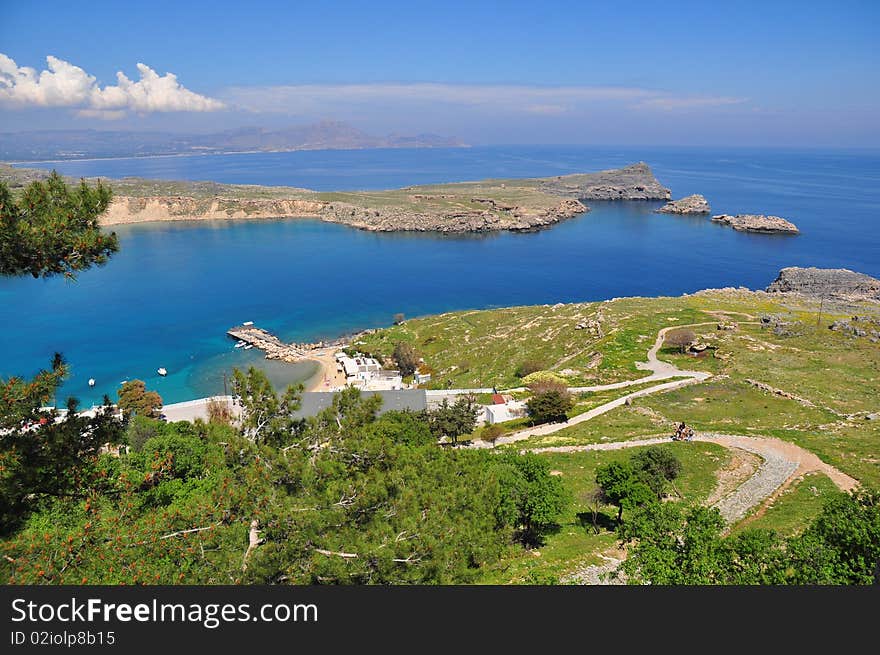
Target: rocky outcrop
{"x":826,"y":283}
{"x":496,"y":216}
{"x":634,"y":182}
{"x":695,"y":204}
{"x":757,"y":223}
{"x":127,"y":209}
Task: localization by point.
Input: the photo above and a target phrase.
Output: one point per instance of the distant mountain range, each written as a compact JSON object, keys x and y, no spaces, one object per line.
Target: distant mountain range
{"x":79,"y":144}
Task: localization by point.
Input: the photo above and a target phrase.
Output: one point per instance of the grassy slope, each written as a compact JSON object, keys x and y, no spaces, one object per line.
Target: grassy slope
{"x":795,"y":507}
{"x":839,"y":374}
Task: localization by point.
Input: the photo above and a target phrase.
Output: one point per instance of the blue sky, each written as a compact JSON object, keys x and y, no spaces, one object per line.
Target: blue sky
{"x":693,"y":73}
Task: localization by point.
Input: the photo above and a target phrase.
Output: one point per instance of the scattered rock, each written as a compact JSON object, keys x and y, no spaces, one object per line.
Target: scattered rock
{"x":728,"y":325}
{"x":695,"y":204}
{"x":779,"y":392}
{"x":757,"y":223}
{"x":867,"y":328}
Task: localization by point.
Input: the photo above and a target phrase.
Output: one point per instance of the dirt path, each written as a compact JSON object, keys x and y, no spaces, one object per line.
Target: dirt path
{"x":781,"y":461}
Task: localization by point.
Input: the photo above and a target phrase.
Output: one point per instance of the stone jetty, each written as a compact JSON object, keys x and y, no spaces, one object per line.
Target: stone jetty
{"x":275,"y":348}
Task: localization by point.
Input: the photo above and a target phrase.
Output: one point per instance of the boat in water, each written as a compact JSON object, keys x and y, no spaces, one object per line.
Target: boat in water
{"x":162,"y":371}
{"x":240,"y":344}
{"x":249,"y":346}
{"x":248,"y":323}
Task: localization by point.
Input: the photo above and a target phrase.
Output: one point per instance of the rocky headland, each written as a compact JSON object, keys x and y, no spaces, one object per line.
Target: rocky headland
{"x":633,"y":182}
{"x":838,"y":283}
{"x":695,"y":204}
{"x":757,"y":223}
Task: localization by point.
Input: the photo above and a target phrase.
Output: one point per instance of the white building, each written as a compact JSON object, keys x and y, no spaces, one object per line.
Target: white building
{"x":367,"y":373}
{"x":504,"y":411}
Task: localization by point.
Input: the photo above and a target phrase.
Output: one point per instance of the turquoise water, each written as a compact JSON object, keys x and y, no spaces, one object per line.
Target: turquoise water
{"x":168,"y":297}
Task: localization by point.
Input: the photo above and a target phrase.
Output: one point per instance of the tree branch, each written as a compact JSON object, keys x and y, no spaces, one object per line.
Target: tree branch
{"x":336,"y":553}
{"x":253,"y":541}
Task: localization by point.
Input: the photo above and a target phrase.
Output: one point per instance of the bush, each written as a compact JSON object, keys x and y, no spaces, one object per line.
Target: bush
{"x":543,"y":376}
{"x":528,"y":367}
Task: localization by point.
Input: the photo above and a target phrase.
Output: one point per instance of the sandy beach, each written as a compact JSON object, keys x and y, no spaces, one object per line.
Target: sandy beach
{"x":328,"y":377}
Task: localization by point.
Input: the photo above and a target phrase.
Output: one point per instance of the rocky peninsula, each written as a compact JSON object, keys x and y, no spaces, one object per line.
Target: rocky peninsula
{"x":757,"y":223}
{"x":695,"y":204}
{"x":489,"y":205}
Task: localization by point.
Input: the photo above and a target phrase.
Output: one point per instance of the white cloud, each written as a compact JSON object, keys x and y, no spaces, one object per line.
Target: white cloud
{"x":66,"y":85}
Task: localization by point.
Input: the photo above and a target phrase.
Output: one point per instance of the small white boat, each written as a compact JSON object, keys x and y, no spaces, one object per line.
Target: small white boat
{"x":162,"y":372}
{"x":248,"y":323}
{"x":249,"y":346}
{"x":91,"y":382}
{"x":240,"y":344}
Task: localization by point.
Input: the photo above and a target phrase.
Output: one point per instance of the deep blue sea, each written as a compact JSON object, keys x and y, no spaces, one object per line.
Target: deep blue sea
{"x":168,"y":297}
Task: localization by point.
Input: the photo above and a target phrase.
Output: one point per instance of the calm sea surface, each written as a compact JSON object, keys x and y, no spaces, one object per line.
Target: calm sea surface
{"x":168,"y":297}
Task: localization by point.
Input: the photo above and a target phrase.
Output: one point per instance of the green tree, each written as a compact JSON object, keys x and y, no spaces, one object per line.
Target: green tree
{"x":454,"y":420}
{"x":623,"y":486}
{"x":491,"y":434}
{"x":52,"y":229}
{"x":532,"y":500}
{"x":672,"y":545}
{"x":842,"y":546}
{"x":549,"y":406}
{"x":135,"y":400}
{"x":658,"y":466}
{"x":266,"y":417}
{"x":44,"y":453}
{"x":406,"y":358}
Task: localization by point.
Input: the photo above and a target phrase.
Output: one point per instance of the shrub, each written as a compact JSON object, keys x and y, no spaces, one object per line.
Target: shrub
{"x":543,"y":376}
{"x":528,"y":367}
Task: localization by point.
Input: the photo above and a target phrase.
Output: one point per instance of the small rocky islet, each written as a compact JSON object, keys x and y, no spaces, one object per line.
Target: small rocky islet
{"x":757,"y":223}
{"x":696,"y":204}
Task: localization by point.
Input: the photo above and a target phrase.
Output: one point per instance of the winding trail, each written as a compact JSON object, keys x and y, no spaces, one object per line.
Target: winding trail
{"x":782,"y":461}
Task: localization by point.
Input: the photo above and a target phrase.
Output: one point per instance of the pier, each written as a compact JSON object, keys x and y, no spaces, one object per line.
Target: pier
{"x":275,"y":348}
